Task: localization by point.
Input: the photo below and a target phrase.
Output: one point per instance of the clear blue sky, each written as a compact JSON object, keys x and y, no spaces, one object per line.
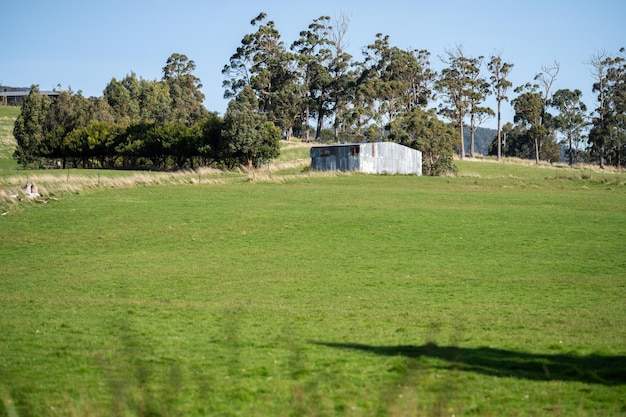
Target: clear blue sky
{"x":84,"y":44}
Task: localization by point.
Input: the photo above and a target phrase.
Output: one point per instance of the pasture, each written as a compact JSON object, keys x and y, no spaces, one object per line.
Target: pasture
{"x":498,"y":292}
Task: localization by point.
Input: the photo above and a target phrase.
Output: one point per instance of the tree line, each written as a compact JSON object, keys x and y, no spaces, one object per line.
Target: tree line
{"x":140,"y":124}
{"x":314,"y":88}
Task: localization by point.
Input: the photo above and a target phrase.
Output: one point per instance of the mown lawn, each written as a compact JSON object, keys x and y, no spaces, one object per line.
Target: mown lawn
{"x":499,"y":292}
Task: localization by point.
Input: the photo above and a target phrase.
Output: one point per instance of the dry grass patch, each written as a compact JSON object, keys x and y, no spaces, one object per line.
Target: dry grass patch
{"x":53,"y":185}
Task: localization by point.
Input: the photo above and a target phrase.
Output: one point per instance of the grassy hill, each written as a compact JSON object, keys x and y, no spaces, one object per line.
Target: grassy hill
{"x":498,"y":292}
{"x":7,"y":142}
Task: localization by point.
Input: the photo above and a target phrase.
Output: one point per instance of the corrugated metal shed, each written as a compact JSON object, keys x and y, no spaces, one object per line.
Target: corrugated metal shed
{"x":372,"y":158}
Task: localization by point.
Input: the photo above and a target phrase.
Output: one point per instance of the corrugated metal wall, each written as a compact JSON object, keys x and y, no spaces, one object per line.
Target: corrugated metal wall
{"x":390,"y":158}
{"x":372,"y":158}
{"x":335,"y":158}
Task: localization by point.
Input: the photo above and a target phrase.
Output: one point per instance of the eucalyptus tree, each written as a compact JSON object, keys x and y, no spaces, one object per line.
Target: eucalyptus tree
{"x":608,"y":133}
{"x":529,"y":108}
{"x":311,"y":51}
{"x":571,"y":119}
{"x":342,"y":76}
{"x":263,"y":64}
{"x":66,"y":113}
{"x":392,"y":82}
{"x":29,"y":127}
{"x":155,"y":102}
{"x":184,"y":90}
{"x":248,"y":137}
{"x":546,"y":78}
{"x":382,"y":85}
{"x":123,"y":99}
{"x":479,"y":89}
{"x":500,"y":85}
{"x":100,"y":110}
{"x":421,"y":129}
{"x":456,"y":88}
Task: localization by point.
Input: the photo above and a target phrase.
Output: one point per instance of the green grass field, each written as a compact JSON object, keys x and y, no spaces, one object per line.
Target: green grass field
{"x":499,"y":292}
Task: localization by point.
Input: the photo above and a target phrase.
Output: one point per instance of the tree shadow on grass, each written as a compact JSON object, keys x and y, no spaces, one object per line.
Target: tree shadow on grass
{"x":592,"y":369}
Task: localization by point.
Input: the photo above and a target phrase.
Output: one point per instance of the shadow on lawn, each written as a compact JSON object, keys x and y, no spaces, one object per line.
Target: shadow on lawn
{"x":594,"y":369}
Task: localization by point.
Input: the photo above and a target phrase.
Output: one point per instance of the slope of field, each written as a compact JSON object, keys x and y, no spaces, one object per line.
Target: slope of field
{"x":499,"y":292}
{"x":7,"y":142}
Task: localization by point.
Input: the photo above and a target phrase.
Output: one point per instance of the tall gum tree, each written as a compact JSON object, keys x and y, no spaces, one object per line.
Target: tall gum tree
{"x":571,"y":119}
{"x":455,"y":87}
{"x":310,"y":49}
{"x":187,"y":106}
{"x":478,"y":91}
{"x":263,"y":64}
{"x":529,"y":108}
{"x":500,"y":85}
{"x":607,"y":136}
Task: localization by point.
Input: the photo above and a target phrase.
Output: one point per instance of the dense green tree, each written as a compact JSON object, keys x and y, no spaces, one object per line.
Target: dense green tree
{"x":247,"y":138}
{"x":76,"y":147}
{"x":155,"y":102}
{"x":422,"y":130}
{"x":515,"y":142}
{"x":529,"y":110}
{"x":101,"y":140}
{"x":500,"y":85}
{"x":131,"y":147}
{"x":123,"y":98}
{"x":572,"y":118}
{"x":60,"y":120}
{"x":29,"y":129}
{"x":387,"y":84}
{"x":208,"y":135}
{"x":187,"y":99}
{"x":67,"y":112}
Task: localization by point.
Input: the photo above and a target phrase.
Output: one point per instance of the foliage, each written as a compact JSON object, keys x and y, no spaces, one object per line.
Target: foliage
{"x":187,"y":106}
{"x":424,"y":131}
{"x":608,"y":133}
{"x":29,"y":127}
{"x":571,"y":119}
{"x":393,"y":82}
{"x":462,"y":90}
{"x":247,"y":135}
{"x":317,"y":80}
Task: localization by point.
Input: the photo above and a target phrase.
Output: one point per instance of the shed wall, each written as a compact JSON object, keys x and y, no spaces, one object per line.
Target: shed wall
{"x":335,"y":158}
{"x":371,"y":158}
{"x":390,"y":158}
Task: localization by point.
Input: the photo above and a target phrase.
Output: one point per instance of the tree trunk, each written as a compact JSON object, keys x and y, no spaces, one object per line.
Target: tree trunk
{"x":537,"y":151}
{"x":571,"y":151}
{"x":472,"y":131}
{"x":499,"y":138}
{"x":320,"y":123}
{"x":306,"y":124}
{"x":462,"y":154}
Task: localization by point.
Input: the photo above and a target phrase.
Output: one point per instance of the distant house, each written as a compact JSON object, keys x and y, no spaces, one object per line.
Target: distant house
{"x":12,"y":96}
{"x":371,"y":158}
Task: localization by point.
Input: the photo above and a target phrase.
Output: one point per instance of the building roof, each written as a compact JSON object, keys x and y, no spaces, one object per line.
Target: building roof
{"x":22,"y":93}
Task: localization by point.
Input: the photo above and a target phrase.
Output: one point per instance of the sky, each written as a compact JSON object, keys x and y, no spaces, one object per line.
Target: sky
{"x":82,"y":44}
